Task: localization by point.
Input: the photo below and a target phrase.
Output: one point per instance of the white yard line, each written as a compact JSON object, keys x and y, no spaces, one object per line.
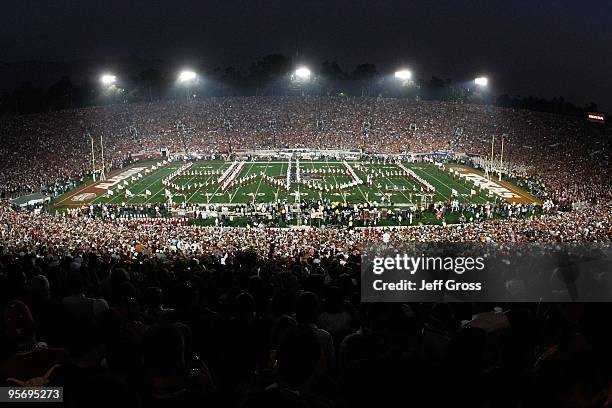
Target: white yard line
{"x":259,"y":184}
{"x":184,"y":184}
{"x":440,"y":181}
{"x":382,"y":192}
{"x":359,"y":188}
{"x":200,"y":188}
{"x":400,"y":191}
{"x":212,"y":176}
{"x":156,"y":193}
{"x":312,"y":164}
{"x":115,"y":195}
{"x":282,"y":170}
{"x":343,"y":195}
{"x":163,"y":189}
{"x":144,"y":189}
{"x":361,"y":192}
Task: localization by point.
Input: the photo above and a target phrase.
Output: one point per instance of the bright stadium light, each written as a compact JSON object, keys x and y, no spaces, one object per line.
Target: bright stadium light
{"x":481,"y":81}
{"x":403,"y":74}
{"x":302,"y":73}
{"x":187,"y":76}
{"x":108,"y":79}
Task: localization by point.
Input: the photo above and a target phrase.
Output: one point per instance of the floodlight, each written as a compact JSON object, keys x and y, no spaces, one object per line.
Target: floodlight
{"x":403,"y":74}
{"x":481,"y":81}
{"x":302,"y":73}
{"x":186,"y":76}
{"x":108,"y":79}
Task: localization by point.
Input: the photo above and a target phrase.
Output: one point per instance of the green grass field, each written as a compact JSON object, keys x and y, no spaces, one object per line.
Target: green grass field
{"x":200,"y":185}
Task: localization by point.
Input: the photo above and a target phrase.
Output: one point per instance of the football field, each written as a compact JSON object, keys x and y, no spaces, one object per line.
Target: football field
{"x":239,"y":182}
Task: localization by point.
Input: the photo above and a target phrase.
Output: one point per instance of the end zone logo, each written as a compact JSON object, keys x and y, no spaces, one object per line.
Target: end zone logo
{"x":120,"y":177}
{"x":83,"y":197}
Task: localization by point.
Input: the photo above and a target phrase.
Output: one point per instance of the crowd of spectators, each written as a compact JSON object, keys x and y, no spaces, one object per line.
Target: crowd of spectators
{"x":42,"y":233}
{"x":133,"y":311}
{"x":164,"y":314}
{"x":319,"y":213}
{"x":563,"y":152}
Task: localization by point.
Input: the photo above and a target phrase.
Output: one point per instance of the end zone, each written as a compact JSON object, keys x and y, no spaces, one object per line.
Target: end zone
{"x":86,"y":193}
{"x":500,"y":188}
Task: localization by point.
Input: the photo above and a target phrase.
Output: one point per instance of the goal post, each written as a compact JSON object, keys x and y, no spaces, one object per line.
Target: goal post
{"x":97,"y":173}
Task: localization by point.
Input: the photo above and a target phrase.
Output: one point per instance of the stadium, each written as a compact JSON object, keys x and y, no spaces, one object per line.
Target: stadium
{"x":294,"y":235}
{"x":265,"y":179}
{"x":299,"y":202}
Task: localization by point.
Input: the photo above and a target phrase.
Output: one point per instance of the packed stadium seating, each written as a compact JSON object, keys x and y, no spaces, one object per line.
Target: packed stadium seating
{"x":562,"y":151}
{"x":153,"y":312}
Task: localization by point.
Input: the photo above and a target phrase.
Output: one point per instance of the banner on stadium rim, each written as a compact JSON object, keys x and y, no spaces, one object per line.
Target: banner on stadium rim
{"x":596,"y":117}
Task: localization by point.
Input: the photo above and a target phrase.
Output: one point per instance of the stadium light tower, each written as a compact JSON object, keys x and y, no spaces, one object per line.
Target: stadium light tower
{"x":108,"y":79}
{"x":302,"y":78}
{"x":303,"y":73}
{"x":187,"y":76}
{"x":403,"y":74}
{"x":482,"y":81}
{"x":187,"y":79}
{"x":109,"y":87}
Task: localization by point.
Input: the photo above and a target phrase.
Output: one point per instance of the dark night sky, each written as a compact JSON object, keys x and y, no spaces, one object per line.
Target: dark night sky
{"x":528,"y":47}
